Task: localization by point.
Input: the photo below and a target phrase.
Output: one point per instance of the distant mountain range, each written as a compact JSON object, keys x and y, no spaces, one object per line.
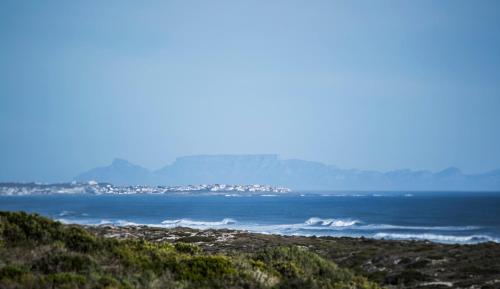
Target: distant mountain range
{"x":292,"y":173}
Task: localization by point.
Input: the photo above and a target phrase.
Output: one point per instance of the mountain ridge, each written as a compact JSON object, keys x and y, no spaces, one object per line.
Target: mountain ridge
{"x":294,"y":173}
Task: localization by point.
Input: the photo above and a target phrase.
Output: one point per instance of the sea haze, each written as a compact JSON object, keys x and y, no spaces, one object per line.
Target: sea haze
{"x":292,"y":173}
{"x":451,"y":217}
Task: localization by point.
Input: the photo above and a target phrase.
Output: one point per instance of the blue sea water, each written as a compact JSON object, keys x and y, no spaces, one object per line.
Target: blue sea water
{"x":451,"y":217}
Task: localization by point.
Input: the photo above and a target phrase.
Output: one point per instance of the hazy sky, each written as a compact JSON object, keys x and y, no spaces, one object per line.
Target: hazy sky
{"x":359,"y":84}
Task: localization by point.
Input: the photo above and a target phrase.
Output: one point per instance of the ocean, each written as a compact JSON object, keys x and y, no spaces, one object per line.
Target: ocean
{"x":445,"y":217}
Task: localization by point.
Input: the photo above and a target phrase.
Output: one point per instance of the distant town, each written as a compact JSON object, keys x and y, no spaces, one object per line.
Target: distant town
{"x":95,"y":188}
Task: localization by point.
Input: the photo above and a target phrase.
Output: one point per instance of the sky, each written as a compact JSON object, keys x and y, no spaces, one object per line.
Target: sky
{"x":376,"y":85}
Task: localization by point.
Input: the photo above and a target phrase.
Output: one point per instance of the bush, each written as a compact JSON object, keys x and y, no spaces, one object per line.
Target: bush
{"x":12,"y":272}
{"x":67,"y":262}
{"x":20,"y":228}
{"x":299,"y":268}
{"x":187,"y":248}
{"x":52,"y":255}
{"x":78,"y":239}
{"x":203,"y":268}
{"x":64,"y":281}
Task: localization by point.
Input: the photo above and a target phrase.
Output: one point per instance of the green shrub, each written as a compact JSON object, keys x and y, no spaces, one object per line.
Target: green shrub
{"x":20,"y":228}
{"x":78,"y":239}
{"x":64,"y":281}
{"x":202,"y":268}
{"x":299,"y":268}
{"x":130,"y":257}
{"x":187,"y":248}
{"x":53,"y":255}
{"x":66,"y":262}
{"x":12,"y":272}
{"x":108,"y":282}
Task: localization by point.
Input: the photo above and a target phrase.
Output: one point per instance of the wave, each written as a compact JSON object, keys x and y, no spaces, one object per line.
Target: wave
{"x":359,"y":225}
{"x":311,"y":224}
{"x":124,"y":223}
{"x":71,"y":214}
{"x":437,"y":238}
{"x":314,"y":221}
{"x":192,"y":223}
{"x":415,"y":228}
{"x":163,"y":224}
{"x":93,"y":222}
{"x":315,"y":226}
{"x":66,"y":213}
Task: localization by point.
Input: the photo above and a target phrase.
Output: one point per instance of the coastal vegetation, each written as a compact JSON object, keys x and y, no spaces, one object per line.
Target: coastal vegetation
{"x":36,"y":252}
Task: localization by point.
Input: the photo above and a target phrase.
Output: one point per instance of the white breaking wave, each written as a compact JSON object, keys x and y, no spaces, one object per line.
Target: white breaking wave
{"x":164,"y":224}
{"x":66,"y":213}
{"x":436,"y":238}
{"x":87,"y":222}
{"x":359,"y":225}
{"x":196,"y":224}
{"x":125,"y":223}
{"x":71,"y":214}
{"x":314,"y":221}
{"x":312,"y":226}
{"x":424,"y":228}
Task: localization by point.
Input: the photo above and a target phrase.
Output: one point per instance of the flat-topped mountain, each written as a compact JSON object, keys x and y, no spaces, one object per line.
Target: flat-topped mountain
{"x":293,"y":173}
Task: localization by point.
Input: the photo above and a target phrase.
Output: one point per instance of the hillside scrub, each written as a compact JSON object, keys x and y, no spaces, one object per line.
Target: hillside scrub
{"x":36,"y":252}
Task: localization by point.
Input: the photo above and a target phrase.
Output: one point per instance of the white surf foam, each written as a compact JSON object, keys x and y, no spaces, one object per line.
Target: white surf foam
{"x":315,"y":226}
{"x":196,"y":224}
{"x":437,"y":238}
{"x":66,"y":213}
{"x":414,"y":228}
{"x":85,"y":221}
{"x":314,"y":221}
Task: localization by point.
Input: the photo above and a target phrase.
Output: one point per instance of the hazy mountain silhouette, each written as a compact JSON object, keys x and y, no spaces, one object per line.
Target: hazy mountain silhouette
{"x":293,"y":173}
{"x":120,"y":172}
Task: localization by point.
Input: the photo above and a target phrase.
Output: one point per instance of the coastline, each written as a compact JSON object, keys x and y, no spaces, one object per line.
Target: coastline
{"x":420,"y":264}
{"x":463,"y":218}
{"x":37,"y":252}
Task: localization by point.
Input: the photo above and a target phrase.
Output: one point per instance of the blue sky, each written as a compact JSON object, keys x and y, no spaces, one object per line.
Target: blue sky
{"x":359,"y":84}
